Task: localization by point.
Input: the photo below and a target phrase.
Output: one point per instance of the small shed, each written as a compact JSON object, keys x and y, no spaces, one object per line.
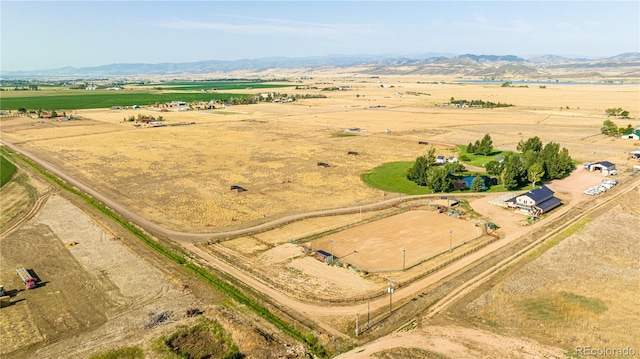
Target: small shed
{"x":322,"y":256}
{"x":441,"y":159}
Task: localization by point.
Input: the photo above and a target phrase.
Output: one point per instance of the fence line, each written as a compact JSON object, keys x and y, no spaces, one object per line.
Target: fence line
{"x":229,"y":259}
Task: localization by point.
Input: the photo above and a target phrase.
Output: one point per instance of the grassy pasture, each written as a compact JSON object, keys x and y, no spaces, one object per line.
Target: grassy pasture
{"x":392,"y":177}
{"x":7,"y":169}
{"x":82,"y":99}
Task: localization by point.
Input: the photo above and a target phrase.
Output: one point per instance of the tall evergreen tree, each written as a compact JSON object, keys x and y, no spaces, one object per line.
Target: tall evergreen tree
{"x":477,"y":184}
{"x":509,"y":178}
{"x":438,"y":179}
{"x":532,"y":143}
{"x":493,"y":168}
{"x":486,"y":145}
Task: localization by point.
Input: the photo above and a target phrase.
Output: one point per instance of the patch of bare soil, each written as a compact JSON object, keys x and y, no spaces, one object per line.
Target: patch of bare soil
{"x":94,"y":291}
{"x":452,"y":342}
{"x":582,"y":292}
{"x":279,"y":254}
{"x":318,"y":277}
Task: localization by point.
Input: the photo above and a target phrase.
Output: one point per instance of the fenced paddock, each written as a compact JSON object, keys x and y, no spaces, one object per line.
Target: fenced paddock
{"x":378,"y":246}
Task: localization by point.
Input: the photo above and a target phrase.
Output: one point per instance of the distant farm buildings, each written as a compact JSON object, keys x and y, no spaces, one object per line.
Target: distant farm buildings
{"x":537,"y":201}
{"x":631,"y":136}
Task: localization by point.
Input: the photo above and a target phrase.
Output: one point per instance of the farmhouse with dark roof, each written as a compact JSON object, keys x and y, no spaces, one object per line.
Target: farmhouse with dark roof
{"x":537,"y":201}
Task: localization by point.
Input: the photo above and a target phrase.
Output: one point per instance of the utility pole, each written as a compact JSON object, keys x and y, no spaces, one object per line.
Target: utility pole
{"x":356,"y":324}
{"x":404,"y":257}
{"x":390,"y":295}
{"x":332,"y":256}
{"x":450,"y":241}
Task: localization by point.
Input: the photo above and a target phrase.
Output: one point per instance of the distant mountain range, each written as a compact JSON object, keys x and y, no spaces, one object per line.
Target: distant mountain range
{"x":625,"y":65}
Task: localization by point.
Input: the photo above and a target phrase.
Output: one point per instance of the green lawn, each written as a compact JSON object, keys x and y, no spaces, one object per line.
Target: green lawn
{"x":480,"y":160}
{"x":392,"y":177}
{"x":7,"y":169}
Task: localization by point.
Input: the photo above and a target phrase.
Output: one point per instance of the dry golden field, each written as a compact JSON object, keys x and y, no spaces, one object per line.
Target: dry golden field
{"x":180,"y":176}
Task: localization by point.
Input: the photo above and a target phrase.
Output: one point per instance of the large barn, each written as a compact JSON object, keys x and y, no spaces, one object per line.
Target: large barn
{"x":603,"y":166}
{"x":537,"y":201}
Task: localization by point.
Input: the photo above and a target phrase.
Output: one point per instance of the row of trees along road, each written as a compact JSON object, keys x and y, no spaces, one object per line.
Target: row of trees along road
{"x":534,"y":162}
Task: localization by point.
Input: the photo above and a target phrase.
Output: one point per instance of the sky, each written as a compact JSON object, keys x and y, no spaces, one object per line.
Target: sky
{"x":37,"y":35}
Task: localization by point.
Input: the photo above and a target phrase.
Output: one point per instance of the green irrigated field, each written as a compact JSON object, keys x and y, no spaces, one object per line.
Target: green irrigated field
{"x":7,"y":169}
{"x":82,"y":99}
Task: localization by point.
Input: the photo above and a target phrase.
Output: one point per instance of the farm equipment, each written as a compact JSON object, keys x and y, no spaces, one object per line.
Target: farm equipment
{"x":5,"y":299}
{"x":29,"y":281}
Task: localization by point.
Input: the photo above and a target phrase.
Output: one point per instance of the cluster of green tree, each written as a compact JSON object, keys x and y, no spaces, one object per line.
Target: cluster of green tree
{"x":611,"y":129}
{"x":425,"y":173}
{"x":535,"y":162}
{"x":510,"y":84}
{"x":244,"y":100}
{"x":478,"y":103}
{"x":618,"y":112}
{"x":275,"y":96}
{"x":22,"y":88}
{"x":336,"y":88}
{"x":143,"y":118}
{"x":483,"y":147}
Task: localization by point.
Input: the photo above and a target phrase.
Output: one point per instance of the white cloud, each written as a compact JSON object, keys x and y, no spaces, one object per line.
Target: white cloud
{"x":270,"y":26}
